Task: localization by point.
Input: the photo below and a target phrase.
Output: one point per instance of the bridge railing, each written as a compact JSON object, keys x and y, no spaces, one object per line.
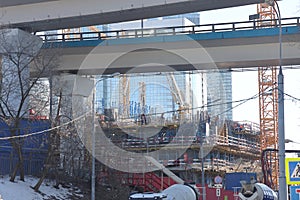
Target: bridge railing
{"x":164,"y":31}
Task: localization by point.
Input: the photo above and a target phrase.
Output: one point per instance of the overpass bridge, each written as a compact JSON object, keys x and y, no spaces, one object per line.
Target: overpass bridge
{"x":38,"y":15}
{"x":212,"y":46}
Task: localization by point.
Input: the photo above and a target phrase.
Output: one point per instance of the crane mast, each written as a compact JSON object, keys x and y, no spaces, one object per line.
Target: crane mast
{"x":74,"y":33}
{"x":268,"y":107}
{"x":142,"y":101}
{"x":124,"y":91}
{"x":184,"y":106}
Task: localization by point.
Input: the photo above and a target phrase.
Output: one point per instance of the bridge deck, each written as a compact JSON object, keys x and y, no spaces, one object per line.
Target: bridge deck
{"x":37,"y":15}
{"x":222,"y":46}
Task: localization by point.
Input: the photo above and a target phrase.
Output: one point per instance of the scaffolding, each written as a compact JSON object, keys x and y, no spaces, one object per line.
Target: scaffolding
{"x":171,"y":143}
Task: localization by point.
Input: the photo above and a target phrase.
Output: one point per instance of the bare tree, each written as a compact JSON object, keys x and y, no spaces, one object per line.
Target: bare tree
{"x":111,"y":184}
{"x":23,"y":66}
{"x":67,"y":159}
{"x":53,"y":149}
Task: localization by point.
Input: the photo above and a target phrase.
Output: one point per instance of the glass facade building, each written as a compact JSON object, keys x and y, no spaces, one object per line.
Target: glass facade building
{"x":149,"y":93}
{"x":193,"y":17}
{"x":158,"y":91}
{"x":219,"y":86}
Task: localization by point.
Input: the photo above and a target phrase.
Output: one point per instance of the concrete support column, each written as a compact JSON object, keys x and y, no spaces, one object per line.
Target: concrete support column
{"x":62,"y":88}
{"x":76,"y":94}
{"x":75,"y":104}
{"x":18,"y":49}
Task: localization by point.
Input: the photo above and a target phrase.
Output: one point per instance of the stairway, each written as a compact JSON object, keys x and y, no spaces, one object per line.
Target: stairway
{"x":150,"y":182}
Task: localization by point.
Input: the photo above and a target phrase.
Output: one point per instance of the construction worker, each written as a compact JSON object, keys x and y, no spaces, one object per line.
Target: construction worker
{"x":143,"y":119}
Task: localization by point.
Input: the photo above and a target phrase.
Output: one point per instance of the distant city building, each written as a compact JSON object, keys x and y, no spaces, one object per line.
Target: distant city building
{"x":219,"y":86}
{"x":150,"y":93}
{"x":193,"y":17}
{"x":158,"y":94}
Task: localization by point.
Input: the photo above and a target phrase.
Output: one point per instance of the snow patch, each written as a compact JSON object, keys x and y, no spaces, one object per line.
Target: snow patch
{"x":20,"y":190}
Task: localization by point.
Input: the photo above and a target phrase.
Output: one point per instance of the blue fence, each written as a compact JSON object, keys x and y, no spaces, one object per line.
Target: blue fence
{"x":32,"y":164}
{"x":34,"y":146}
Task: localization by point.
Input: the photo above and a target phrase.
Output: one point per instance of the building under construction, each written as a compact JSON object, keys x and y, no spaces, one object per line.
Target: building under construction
{"x":158,"y":131}
{"x":146,"y":113}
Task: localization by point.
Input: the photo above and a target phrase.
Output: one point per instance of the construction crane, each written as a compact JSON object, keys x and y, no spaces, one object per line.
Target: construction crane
{"x":71,"y":33}
{"x":268,"y":107}
{"x":184,"y":106}
{"x":142,"y":100}
{"x":74,"y":33}
{"x":124,"y":91}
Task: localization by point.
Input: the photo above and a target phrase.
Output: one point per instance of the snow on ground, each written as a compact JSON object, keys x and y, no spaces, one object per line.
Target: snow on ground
{"x":20,"y":190}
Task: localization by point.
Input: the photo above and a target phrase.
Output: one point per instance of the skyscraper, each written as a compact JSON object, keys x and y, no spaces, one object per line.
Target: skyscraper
{"x":158,"y":90}
{"x":193,"y":17}
{"x":219,"y":86}
{"x":156,"y":94}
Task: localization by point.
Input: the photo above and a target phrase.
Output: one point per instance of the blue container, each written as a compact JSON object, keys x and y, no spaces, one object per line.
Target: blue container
{"x":232,"y":180}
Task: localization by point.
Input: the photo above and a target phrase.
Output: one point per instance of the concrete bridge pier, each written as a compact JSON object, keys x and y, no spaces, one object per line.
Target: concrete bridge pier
{"x":76,"y":94}
{"x":75,"y":105}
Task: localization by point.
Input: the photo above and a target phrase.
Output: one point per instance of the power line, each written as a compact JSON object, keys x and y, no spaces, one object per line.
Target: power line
{"x":43,"y":131}
{"x":241,"y":101}
{"x":291,"y":96}
{"x":209,"y":105}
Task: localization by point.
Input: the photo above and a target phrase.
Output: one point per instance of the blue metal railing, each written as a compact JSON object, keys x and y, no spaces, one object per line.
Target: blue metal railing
{"x":164,"y":31}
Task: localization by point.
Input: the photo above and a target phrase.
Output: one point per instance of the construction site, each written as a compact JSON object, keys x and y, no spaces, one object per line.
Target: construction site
{"x":173,"y":143}
{"x":155,"y":130}
{"x":176,"y":127}
{"x":152,"y":125}
{"x":158,"y":129}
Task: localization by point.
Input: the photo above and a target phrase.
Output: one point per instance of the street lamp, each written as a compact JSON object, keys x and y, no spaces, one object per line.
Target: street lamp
{"x":93,"y":182}
{"x":202,"y":170}
{"x":281,"y":134}
{"x":201,"y":130}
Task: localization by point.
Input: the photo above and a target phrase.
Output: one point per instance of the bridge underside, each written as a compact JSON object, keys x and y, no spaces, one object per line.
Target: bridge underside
{"x":117,"y":56}
{"x":38,"y":15}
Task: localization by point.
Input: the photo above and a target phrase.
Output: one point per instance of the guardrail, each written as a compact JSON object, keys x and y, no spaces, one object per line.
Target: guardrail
{"x":174,"y":30}
{"x":231,"y":141}
{"x":240,"y":143}
{"x":246,"y":127}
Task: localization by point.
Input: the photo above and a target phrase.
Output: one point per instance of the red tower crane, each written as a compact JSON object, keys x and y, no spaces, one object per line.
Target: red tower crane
{"x":268,"y":107}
